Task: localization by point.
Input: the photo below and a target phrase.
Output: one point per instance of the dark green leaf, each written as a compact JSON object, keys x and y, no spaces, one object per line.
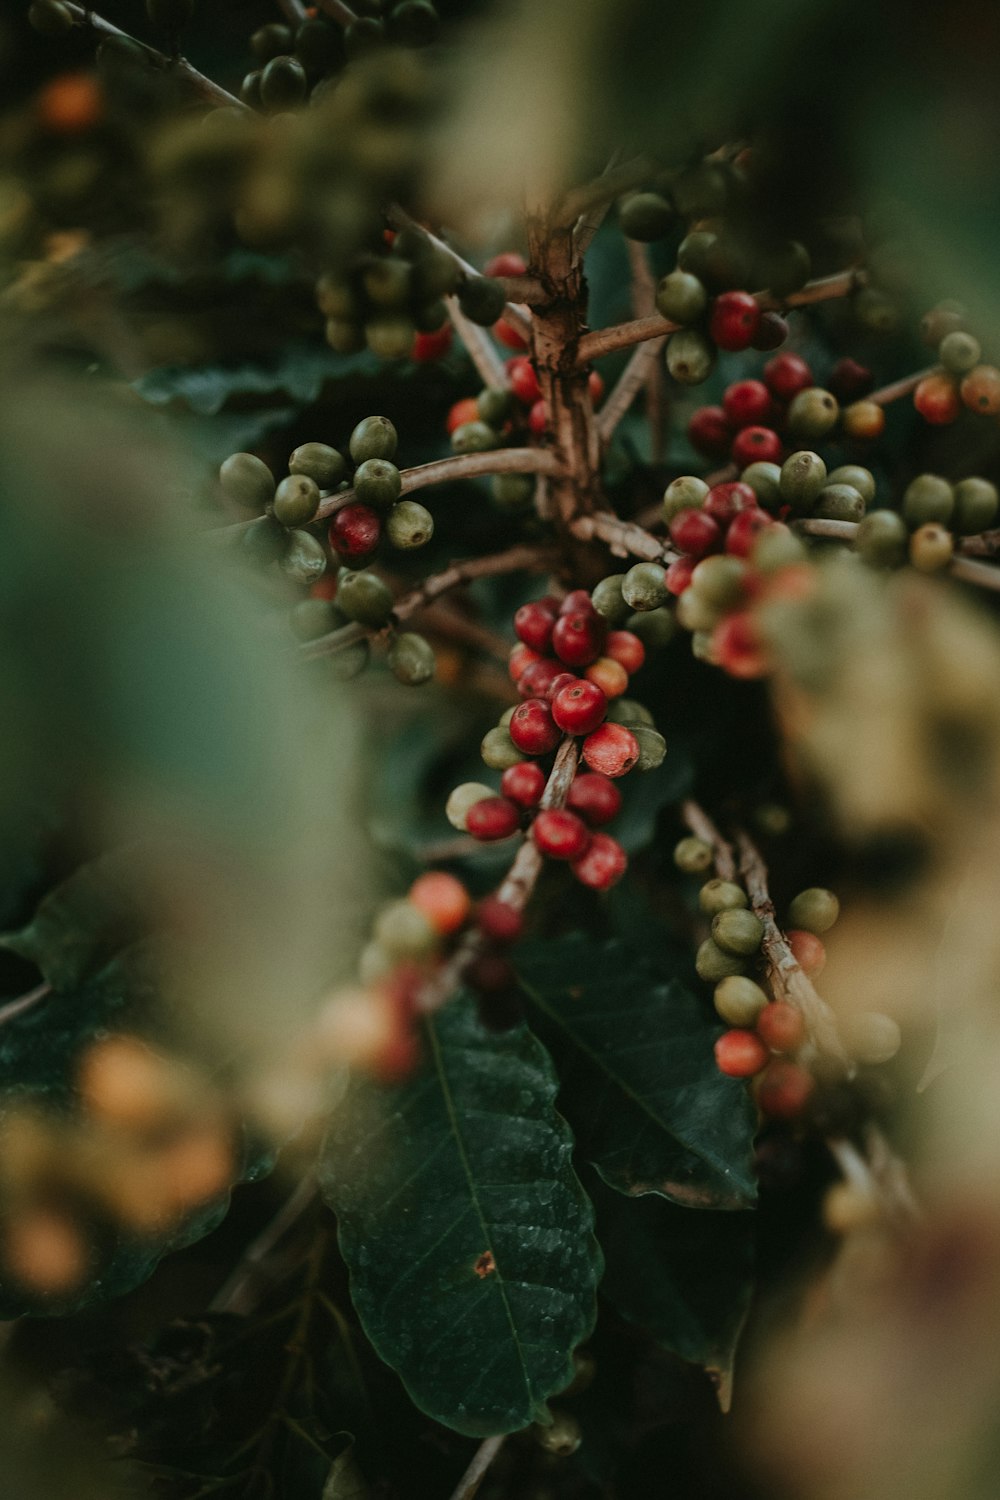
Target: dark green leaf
{"x":467,"y":1234}
{"x":639,"y":1082}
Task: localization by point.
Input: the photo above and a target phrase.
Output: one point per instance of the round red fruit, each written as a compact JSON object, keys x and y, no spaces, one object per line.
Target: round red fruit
{"x":443,"y":900}
{"x":428,"y":347}
{"x":521,"y":658}
{"x":603,"y":865}
{"x":772,"y":331}
{"x":355,"y":531}
{"x":498,"y":920}
{"x":560,"y":834}
{"x":740,"y":1054}
{"x":506,"y":334}
{"x":734,"y":320}
{"x":745,"y":528}
{"x":808,"y":949}
{"x":578,"y":638}
{"x":849,"y":381}
{"x":625,"y":647}
{"x":609,"y":675}
{"x":677,"y":576}
{"x":533,"y":625}
{"x":595,"y":798}
{"x":611,"y":749}
{"x":580,"y":707}
{"x":937,"y":400}
{"x":538,"y":418}
{"x":463,"y":411}
{"x":493,"y":818}
{"x":756,"y":445}
{"x":577,"y":602}
{"x":724,"y":502}
{"x":787,"y":374}
{"x":523,"y":783}
{"x":710,"y":433}
{"x":535,"y":680}
{"x":784,"y":1090}
{"x":523,"y":380}
{"x":507,"y":263}
{"x":563,"y":679}
{"x":747,"y":403}
{"x":532,"y":727}
{"x":695,"y":533}
{"x":595,"y":386}
{"x":781,"y":1027}
{"x":737,"y":648}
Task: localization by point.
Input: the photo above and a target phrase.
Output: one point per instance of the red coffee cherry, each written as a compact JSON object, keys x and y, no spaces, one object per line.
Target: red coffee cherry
{"x":734,"y":320}
{"x":937,"y":400}
{"x":560,"y":834}
{"x":561,"y":680}
{"x":533,"y":625}
{"x":677,"y":576}
{"x":695,"y":533}
{"x":532,"y":727}
{"x":580,"y":707}
{"x":737,"y":647}
{"x":808,"y":949}
{"x":611,"y":749}
{"x":490,"y":973}
{"x":624,"y":646}
{"x":493,"y":818}
{"x":505,"y":334}
{"x":507,"y":263}
{"x":849,"y":381}
{"x":463,"y":411}
{"x":772,"y":331}
{"x":595,"y":798}
{"x":710,"y":433}
{"x":354,"y":531}
{"x":725,"y":501}
{"x":538,"y":418}
{"x":577,"y":602}
{"x":443,"y":900}
{"x":787,"y":374}
{"x":578,"y":638}
{"x":498,"y":921}
{"x":428,"y":347}
{"x":784,"y":1090}
{"x":523,"y":783}
{"x":603,"y":865}
{"x":595,"y":387}
{"x":609,"y":675}
{"x":744,"y":531}
{"x":740,"y":1054}
{"x":748,"y":403}
{"x":756,"y":445}
{"x":980,"y":390}
{"x":781,"y":1027}
{"x":536,"y":679}
{"x":521,"y":658}
{"x":523,"y":381}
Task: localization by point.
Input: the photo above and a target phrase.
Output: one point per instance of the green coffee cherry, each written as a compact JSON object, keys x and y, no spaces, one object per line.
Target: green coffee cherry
{"x":499,"y":751}
{"x":411,"y":659}
{"x":430,"y":317}
{"x":403,"y":931}
{"x":349,"y":662}
{"x":701,"y":191}
{"x":644,"y":587}
{"x":374,"y":963}
{"x":975,"y":506}
{"x":493,"y":405}
{"x":860,"y":479}
{"x":377,"y":483}
{"x":690,"y":357}
{"x":506,"y":716}
{"x":694,"y":612}
{"x":363,"y":597}
{"x":738,"y":931}
{"x":50,"y":17}
{"x":871,"y":1038}
{"x":283,"y":83}
{"x":512,"y":493}
{"x":409,"y":525}
{"x":296,"y":500}
{"x":264,"y":541}
{"x":247,"y":480}
{"x":344,"y":336}
{"x":839,"y":502}
{"x":692,"y":855}
{"x":304,"y":560}
{"x":929,"y":497}
{"x":436,"y":273}
{"x":683,"y":493}
{"x":721,"y":895}
{"x":390,"y":337}
{"x":481,"y":299}
{"x":373,"y":437}
{"x":813,"y":413}
{"x":629,"y":711}
{"x":697,"y":253}
{"x":363,"y":36}
{"x":609,"y":601}
{"x":318,"y":46}
{"x":777,"y":548}
{"x":714,"y":963}
{"x":701,"y":645}
{"x":652,"y":747}
{"x":814,"y":910}
{"x":386,"y":281}
{"x":785,"y":268}
{"x":312,"y":618}
{"x":881,"y":539}
{"x":474,"y":437}
{"x":562,"y":1437}
{"x":681,"y":297}
{"x":765,"y":481}
{"x":463,"y":798}
{"x":414,"y":23}
{"x":654,"y":628}
{"x":320,"y":463}
{"x":959,"y":352}
{"x":803,"y":475}
{"x":270,"y":41}
{"x":739,"y":1001}
{"x":646,"y":217}
{"x":718,"y":581}
{"x":876,"y":311}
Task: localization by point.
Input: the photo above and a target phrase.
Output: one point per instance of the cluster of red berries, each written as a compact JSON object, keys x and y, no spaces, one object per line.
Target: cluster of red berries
{"x":963,"y":381}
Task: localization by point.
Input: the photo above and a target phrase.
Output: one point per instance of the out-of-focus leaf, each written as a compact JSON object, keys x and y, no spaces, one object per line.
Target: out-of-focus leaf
{"x":346,"y":1481}
{"x":467,"y":1234}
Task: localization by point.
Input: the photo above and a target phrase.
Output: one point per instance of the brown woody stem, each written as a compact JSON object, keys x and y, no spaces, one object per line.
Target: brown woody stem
{"x":211,"y":92}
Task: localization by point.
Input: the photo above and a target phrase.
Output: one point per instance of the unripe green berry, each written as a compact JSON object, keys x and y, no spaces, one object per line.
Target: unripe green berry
{"x":975,"y":506}
{"x":652,"y":747}
{"x":390,"y":336}
{"x":690,"y":357}
{"x":474,"y":437}
{"x":411,"y":659}
{"x":718,"y":581}
{"x":414,"y":23}
{"x":931,"y":548}
{"x":738,"y":1000}
{"x":629,"y":711}
{"x":692,"y":855}
{"x":403,"y":931}
{"x":814,"y":910}
{"x":264,"y":540}
{"x":374,"y":963}
{"x":319,"y":462}
{"x":493,"y":405}
{"x":695,"y":612}
{"x":247,"y":480}
{"x":871,"y":1038}
{"x":608,"y":599}
{"x":876,"y":311}
{"x":436,"y":273}
{"x":312,"y":618}
{"x":881,"y":539}
{"x":363,"y":597}
{"x":681,"y":297}
{"x":463,"y":798}
{"x":697,"y":253}
{"x":304,"y":560}
{"x":785,"y":268}
{"x":270,"y":41}
{"x":430,"y":317}
{"x":655,"y":628}
{"x":506,"y":716}
{"x":929,"y":497}
{"x":350,"y":661}
{"x":344,"y":335}
{"x":481,"y":299}
{"x":409,"y":525}
{"x":765,"y":481}
{"x":738,"y":931}
{"x":721,"y":895}
{"x":644,"y":587}
{"x":646,"y":217}
{"x":296,"y":500}
{"x":714,"y":963}
{"x":803,"y":475}
{"x":959,"y":352}
{"x":512,"y":493}
{"x":813,"y":413}
{"x":363,"y":36}
{"x":859,"y":478}
{"x":701,"y":646}
{"x":839,"y":502}
{"x":283,"y":83}
{"x":777,"y":548}
{"x":373,"y":437}
{"x":386,"y":281}
{"x":701,"y":191}
{"x":318,"y":46}
{"x":377,"y":483}
{"x":562,"y":1437}
{"x":683,"y":493}
{"x":498,"y":750}
{"x":50,"y":17}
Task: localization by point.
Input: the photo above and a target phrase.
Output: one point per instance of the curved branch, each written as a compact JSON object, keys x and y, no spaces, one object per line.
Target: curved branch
{"x":212,"y":92}
{"x":516,"y":313}
{"x":625,"y":538}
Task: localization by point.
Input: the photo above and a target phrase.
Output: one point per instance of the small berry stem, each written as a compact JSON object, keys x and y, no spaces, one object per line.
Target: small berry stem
{"x":523,"y":290}
{"x":963,"y":568}
{"x":208,"y":89}
{"x":23,"y":1002}
{"x":702,"y":827}
{"x":600,"y":192}
{"x":476,"y":1472}
{"x":886,"y":394}
{"x":643,"y":369}
{"x":625,"y":538}
{"x":479,"y":347}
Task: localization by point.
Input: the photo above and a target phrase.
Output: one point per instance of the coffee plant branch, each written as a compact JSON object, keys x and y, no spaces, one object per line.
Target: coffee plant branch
{"x":337,"y":11}
{"x":519,"y":290}
{"x":474,"y":1475}
{"x":965,"y":568}
{"x":643,"y":369}
{"x":212,"y":92}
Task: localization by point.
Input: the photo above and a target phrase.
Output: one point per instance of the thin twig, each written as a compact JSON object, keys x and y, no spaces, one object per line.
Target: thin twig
{"x":476,"y":1472}
{"x":625,"y":538}
{"x":981,"y":574}
{"x":703,"y":828}
{"x":602,"y":190}
{"x":589,"y":222}
{"x":337,"y":11}
{"x":480,"y":348}
{"x":963,"y":568}
{"x":643,"y":302}
{"x":23,"y":1002}
{"x":643,"y":363}
{"x":889,"y":393}
{"x":522,"y":289}
{"x":207,"y":88}
{"x":234,"y":1296}
{"x":983,"y":544}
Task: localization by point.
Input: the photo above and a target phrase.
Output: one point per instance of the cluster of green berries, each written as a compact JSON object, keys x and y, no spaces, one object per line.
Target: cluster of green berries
{"x":933,"y":512}
{"x":964,"y":381}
